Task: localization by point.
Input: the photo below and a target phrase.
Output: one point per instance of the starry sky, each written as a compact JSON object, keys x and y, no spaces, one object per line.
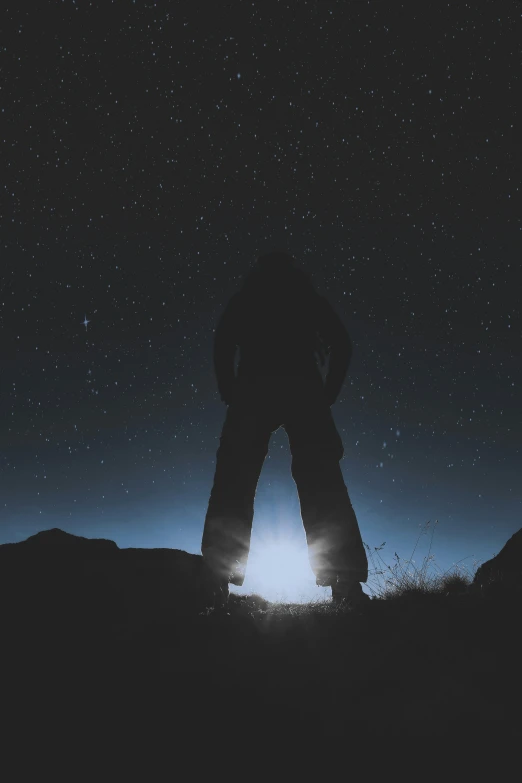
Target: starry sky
{"x":150,"y":153}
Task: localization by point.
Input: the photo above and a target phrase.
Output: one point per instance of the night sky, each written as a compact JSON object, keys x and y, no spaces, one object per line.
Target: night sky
{"x":152,"y":151}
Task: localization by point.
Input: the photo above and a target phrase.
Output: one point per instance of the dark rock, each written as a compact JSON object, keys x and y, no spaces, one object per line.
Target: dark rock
{"x":504,"y":570}
{"x":61,"y":580}
{"x":56,"y":541}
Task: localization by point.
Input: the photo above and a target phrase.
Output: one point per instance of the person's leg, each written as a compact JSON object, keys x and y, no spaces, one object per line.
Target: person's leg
{"x":335,"y":546}
{"x":240,"y":456}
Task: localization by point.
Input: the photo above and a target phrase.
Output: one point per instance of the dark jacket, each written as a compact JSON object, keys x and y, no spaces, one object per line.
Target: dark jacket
{"x":279,"y":338}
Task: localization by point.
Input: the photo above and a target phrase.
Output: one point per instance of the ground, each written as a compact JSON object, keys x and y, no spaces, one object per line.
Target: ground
{"x":419,"y":666}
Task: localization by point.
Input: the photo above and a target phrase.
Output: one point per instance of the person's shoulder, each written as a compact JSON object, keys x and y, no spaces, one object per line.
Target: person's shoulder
{"x":235,"y":303}
{"x":235,"y":298}
{"x":322,"y":305}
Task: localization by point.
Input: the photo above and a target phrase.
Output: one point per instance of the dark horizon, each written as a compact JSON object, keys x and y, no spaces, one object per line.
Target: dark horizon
{"x":152,"y":155}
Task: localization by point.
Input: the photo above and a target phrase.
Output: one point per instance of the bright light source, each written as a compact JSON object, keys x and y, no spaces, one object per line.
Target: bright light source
{"x":279,"y":570}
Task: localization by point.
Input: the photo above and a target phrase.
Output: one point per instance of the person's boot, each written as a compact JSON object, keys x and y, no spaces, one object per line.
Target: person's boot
{"x":325,"y":578}
{"x":348,"y":593}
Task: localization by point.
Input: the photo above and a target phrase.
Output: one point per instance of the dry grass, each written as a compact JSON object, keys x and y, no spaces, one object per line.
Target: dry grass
{"x":401,"y":579}
{"x":404,"y":577}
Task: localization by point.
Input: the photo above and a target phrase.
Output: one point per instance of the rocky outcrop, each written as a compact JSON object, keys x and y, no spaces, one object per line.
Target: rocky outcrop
{"x":54,"y":578}
{"x":505,"y":569}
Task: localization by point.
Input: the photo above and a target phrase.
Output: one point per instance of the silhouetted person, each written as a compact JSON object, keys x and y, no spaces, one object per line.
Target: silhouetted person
{"x":282,"y":326}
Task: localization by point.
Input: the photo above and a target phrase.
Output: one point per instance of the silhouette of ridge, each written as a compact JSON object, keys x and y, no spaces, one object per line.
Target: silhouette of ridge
{"x":56,"y":539}
{"x":505,"y":569}
{"x":55,"y":576}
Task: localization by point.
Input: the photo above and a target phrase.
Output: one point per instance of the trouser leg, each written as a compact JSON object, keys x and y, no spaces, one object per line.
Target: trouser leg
{"x":332,"y":531}
{"x":228,"y":522}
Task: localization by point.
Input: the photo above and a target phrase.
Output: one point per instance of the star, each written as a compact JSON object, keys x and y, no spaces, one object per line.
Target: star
{"x":85,"y":322}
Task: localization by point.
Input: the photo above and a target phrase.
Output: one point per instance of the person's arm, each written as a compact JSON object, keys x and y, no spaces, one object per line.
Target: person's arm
{"x":337,"y":338}
{"x":225,"y":344}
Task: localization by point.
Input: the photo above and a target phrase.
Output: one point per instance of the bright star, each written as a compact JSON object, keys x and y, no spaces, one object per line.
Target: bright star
{"x":85,"y":322}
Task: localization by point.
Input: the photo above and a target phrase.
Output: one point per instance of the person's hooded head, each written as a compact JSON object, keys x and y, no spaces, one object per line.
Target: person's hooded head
{"x":275,"y":289}
{"x":275,"y":274}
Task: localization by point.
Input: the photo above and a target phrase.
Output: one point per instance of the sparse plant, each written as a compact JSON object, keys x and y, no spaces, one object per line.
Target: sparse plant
{"x":405,"y":577}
